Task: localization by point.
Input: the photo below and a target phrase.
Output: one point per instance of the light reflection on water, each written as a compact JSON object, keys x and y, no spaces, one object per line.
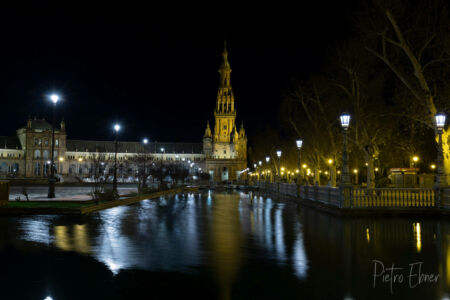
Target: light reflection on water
{"x":228,"y":233}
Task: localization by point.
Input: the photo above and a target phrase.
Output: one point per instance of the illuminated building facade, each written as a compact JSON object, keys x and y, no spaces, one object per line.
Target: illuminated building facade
{"x":223,"y":153}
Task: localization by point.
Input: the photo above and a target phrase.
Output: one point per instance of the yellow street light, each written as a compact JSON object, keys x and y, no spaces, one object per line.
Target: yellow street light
{"x":282,"y":169}
{"x":330,"y":161}
{"x":433,"y":166}
{"x":415,"y":158}
{"x":376,"y":169}
{"x":297,"y":171}
{"x":339,"y":172}
{"x":80,"y":159}
{"x":326,"y":172}
{"x":61,"y":159}
{"x":355,"y":171}
{"x":304,"y":166}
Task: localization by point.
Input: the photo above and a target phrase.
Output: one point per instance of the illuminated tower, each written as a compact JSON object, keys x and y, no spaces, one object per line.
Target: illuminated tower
{"x":226,"y":147}
{"x":225,"y":114}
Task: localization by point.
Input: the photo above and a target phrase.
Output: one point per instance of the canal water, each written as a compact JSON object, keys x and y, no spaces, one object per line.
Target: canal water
{"x":222,"y":246}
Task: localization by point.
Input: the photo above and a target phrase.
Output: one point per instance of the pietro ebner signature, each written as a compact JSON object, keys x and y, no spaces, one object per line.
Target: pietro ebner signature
{"x":413,"y":275}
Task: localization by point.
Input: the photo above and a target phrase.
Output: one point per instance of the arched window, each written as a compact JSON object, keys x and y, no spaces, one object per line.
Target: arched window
{"x":37,"y":169}
{"x":3,"y":167}
{"x":37,"y":154}
{"x":45,"y":154}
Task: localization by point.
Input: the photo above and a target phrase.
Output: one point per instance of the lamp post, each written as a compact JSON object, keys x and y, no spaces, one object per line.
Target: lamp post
{"x":440,"y":175}
{"x":332,"y":172}
{"x":345,"y":177}
{"x":279,"y":163}
{"x":267,"y":161}
{"x":144,"y":176}
{"x":51,"y":181}
{"x":116,"y":129}
{"x":299,"y":143}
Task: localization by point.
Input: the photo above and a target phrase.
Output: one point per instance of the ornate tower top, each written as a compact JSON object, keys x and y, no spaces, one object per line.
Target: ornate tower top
{"x":225,"y":97}
{"x":207,"y":131}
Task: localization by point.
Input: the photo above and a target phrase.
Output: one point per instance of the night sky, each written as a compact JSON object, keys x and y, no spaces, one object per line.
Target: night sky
{"x":155,"y":69}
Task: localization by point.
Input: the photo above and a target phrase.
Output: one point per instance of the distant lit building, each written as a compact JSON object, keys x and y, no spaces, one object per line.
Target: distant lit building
{"x":28,"y":154}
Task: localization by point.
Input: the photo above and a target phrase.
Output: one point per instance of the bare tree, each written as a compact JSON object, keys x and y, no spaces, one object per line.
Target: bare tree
{"x":97,"y":173}
{"x":413,"y":41}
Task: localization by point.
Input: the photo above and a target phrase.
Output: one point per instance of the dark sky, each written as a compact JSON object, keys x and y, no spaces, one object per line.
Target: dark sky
{"x":155,"y":69}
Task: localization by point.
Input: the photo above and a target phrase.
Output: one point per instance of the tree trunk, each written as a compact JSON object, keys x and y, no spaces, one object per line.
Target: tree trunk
{"x":370,"y":172}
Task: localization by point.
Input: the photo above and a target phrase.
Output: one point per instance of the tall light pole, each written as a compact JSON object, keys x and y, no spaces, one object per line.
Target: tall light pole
{"x":279,"y":163}
{"x":116,"y":129}
{"x":51,"y":181}
{"x":332,"y":171}
{"x":267,"y":161}
{"x":441,"y":181}
{"x":299,"y":143}
{"x":144,"y":176}
{"x":345,"y":176}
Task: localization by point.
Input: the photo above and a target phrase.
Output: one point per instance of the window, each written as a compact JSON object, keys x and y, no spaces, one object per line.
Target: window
{"x":40,"y":141}
{"x":224,"y":151}
{"x":36,"y":141}
{"x":46,"y":142}
{"x":37,"y":169}
{"x":37,"y":154}
{"x":57,"y":142}
{"x":45,"y":154}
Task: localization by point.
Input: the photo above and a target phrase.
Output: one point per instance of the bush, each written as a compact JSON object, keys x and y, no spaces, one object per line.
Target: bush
{"x":107,"y":195}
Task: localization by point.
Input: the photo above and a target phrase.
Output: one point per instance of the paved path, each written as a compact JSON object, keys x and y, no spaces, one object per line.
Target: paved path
{"x":62,"y":193}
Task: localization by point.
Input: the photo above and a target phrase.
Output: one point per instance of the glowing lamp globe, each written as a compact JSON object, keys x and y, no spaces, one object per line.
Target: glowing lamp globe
{"x":279,"y":153}
{"x":267,"y":159}
{"x":299,"y":143}
{"x":259,"y":162}
{"x":117,"y":127}
{"x":54,"y":98}
{"x":440,"y":120}
{"x":345,"y":120}
{"x":145,"y":141}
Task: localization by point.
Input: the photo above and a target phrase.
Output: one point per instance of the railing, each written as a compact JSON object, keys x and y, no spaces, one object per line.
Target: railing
{"x":351,"y":197}
{"x":393,"y":197}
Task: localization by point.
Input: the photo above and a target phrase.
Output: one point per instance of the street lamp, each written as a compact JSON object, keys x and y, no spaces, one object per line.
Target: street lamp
{"x":51,"y":181}
{"x":332,"y":172}
{"x":144,"y":175}
{"x":299,"y":143}
{"x":440,"y":175}
{"x":415,"y":159}
{"x":116,"y":129}
{"x":279,"y":162}
{"x":345,"y":177}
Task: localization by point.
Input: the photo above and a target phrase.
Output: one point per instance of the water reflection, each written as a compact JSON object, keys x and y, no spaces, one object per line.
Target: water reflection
{"x":231,"y":234}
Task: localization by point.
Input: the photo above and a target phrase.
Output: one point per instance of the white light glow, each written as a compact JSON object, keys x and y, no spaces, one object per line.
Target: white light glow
{"x":345,"y":120}
{"x":54,"y":98}
{"x":117,"y":127}
{"x":299,"y":143}
{"x":440,"y":120}
{"x":279,"y":153}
